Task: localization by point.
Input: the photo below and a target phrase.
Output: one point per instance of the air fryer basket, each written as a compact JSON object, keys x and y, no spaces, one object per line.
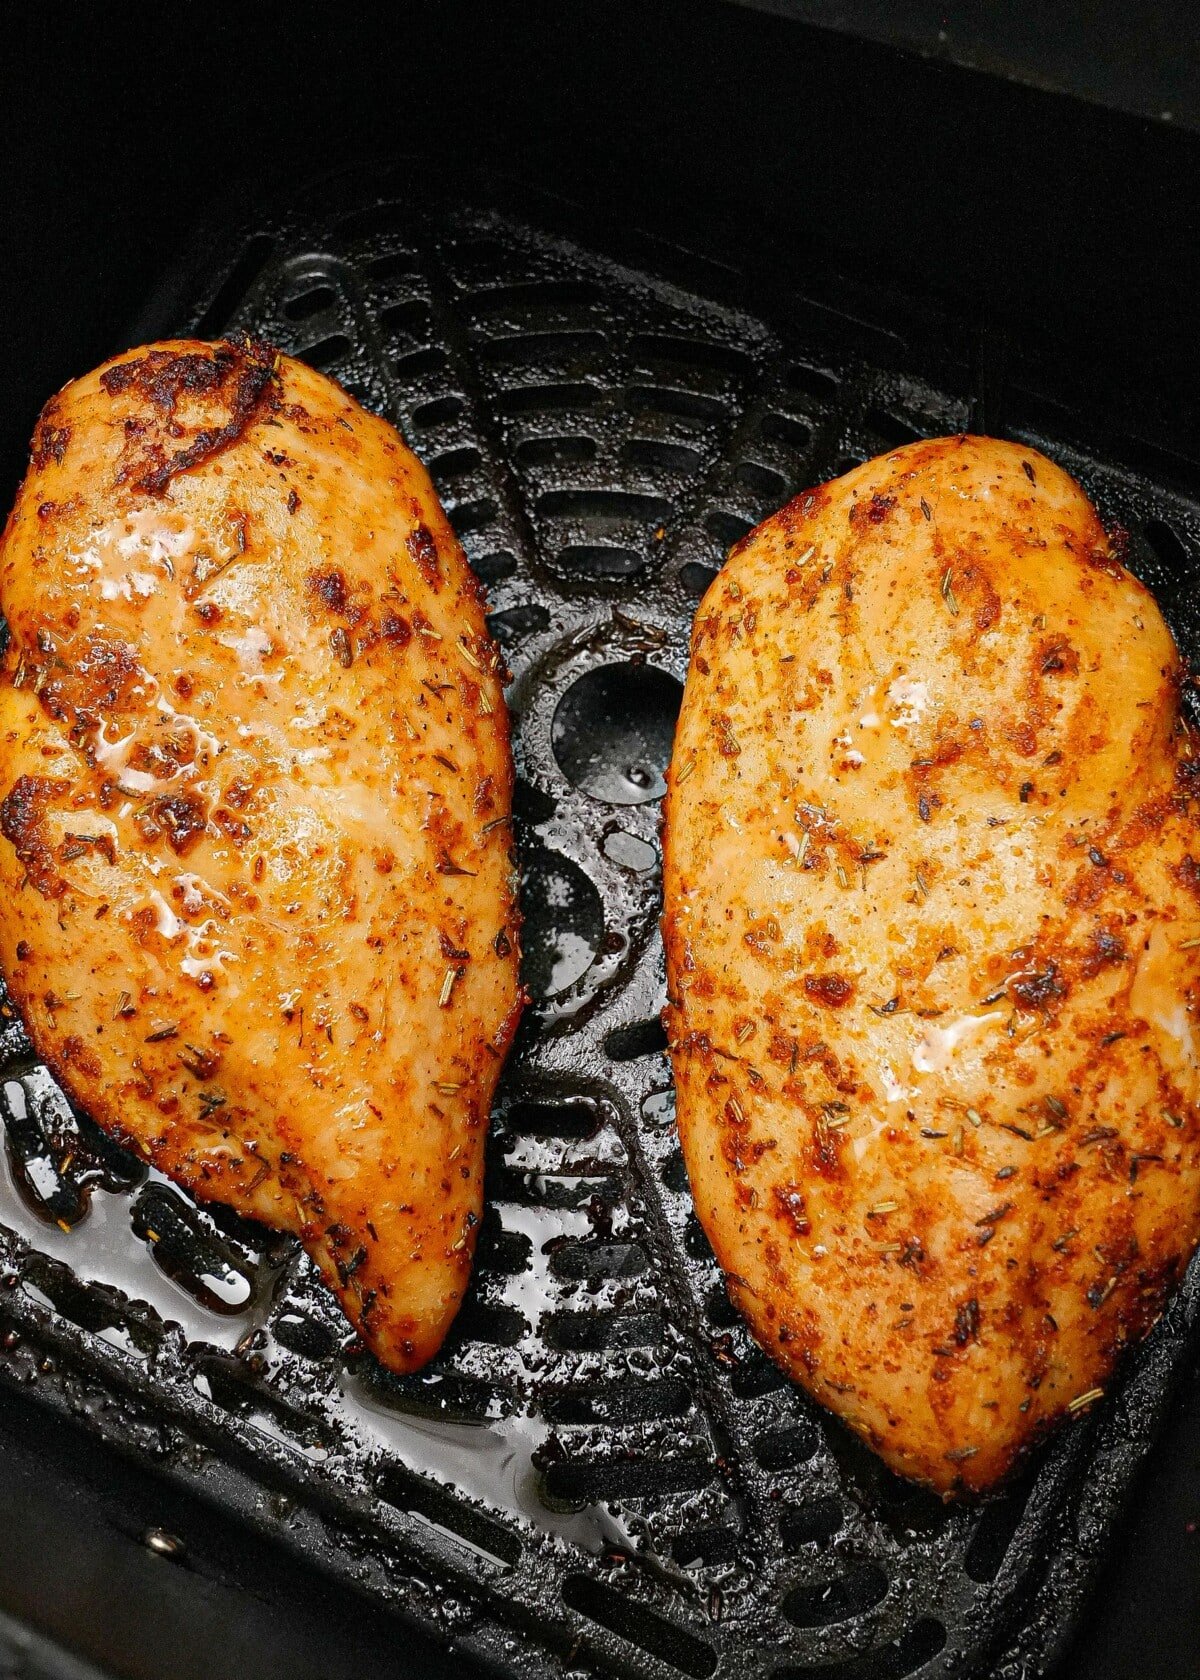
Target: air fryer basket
{"x":600,"y":1473}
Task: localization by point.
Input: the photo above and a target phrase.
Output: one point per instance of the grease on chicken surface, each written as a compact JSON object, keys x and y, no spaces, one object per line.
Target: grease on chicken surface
{"x":932,"y":882}
{"x":256,"y":784}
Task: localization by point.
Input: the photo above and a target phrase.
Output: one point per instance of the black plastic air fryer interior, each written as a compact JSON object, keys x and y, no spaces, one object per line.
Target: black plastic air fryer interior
{"x":600,"y":1472}
{"x":638,"y":1492}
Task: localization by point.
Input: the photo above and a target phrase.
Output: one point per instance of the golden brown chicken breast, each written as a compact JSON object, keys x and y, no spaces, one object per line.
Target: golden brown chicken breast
{"x":932,"y":884}
{"x":255,"y":781}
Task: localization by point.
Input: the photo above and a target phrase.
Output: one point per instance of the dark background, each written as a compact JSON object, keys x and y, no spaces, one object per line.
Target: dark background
{"x":1136,"y":58}
{"x":1061,"y":228}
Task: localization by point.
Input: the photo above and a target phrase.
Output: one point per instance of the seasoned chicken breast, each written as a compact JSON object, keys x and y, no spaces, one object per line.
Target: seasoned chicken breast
{"x":255,"y":774}
{"x":933,"y":943}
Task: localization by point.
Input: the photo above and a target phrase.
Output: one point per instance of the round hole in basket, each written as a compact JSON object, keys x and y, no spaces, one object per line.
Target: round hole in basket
{"x":613,"y":729}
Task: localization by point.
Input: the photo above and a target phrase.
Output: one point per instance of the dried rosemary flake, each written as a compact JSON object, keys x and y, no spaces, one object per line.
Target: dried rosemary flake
{"x":1086,"y":1399}
{"x":1188,"y":944}
{"x":745,"y":1031}
{"x":843,"y":878}
{"x":465,"y":649}
{"x":959,"y":1140}
{"x":802,"y":853}
{"x":162,"y":1030}
{"x":922,"y":885}
{"x":974,"y":1117}
{"x":1172,"y":1119}
{"x":887,"y":1247}
{"x":451,"y":976}
{"x":205,"y":568}
{"x":881,"y":1209}
{"x":447,"y":866}
{"x":926,"y":509}
{"x":948,"y":594}
{"x":447,"y":1087}
{"x":685,"y":772}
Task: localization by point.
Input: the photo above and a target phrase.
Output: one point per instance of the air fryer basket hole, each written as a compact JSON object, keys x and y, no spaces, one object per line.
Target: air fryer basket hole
{"x":563,"y":925}
{"x":612,"y":731}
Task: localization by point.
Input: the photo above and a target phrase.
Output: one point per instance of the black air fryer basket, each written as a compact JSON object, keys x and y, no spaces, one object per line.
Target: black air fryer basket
{"x":600,"y":1474}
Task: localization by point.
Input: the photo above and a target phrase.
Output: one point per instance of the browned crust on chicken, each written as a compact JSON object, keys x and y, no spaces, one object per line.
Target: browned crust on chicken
{"x":933,"y":933}
{"x":255,"y":782}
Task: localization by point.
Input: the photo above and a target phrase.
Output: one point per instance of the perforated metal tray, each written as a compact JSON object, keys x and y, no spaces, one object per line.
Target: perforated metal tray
{"x":600,"y":1473}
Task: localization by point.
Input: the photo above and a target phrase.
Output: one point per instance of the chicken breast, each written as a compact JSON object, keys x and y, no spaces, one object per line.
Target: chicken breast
{"x":933,"y":941}
{"x":254,"y":758}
